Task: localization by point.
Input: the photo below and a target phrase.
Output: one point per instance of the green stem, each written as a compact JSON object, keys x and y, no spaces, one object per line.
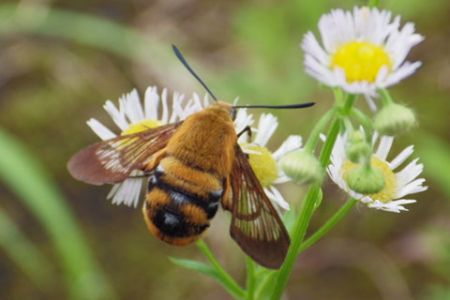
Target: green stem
{"x":349,"y":100}
{"x":250,"y":285}
{"x":318,"y":129}
{"x":337,"y":217}
{"x":385,"y":97}
{"x":362,"y":118}
{"x":264,"y":286}
{"x":297,"y":237}
{"x":302,"y":221}
{"x":348,"y":125}
{"x":308,"y":205}
{"x":237,"y":291}
{"x":338,"y":96}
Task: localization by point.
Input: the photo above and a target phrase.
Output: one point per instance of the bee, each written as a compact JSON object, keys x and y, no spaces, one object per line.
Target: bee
{"x":193,"y":167}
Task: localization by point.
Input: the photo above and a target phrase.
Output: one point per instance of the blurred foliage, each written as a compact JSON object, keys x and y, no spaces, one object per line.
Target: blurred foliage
{"x":23,"y":252}
{"x":60,"y":60}
{"x":29,"y":181}
{"x":434,"y":153}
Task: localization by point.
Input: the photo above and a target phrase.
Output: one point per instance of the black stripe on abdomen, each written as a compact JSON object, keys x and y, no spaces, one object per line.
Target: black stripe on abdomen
{"x":180,"y":197}
{"x":173,"y":225}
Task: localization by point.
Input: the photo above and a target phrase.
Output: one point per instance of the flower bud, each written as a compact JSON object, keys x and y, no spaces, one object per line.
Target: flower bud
{"x":357,"y":148}
{"x":394,"y":119}
{"x":302,"y":167}
{"x":365,"y":180}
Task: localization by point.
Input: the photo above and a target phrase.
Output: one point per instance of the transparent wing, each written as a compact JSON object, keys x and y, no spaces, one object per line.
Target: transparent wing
{"x":255,"y":224}
{"x":113,"y":160}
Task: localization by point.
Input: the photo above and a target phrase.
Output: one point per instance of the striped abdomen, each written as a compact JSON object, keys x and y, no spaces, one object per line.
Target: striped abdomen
{"x":180,"y":201}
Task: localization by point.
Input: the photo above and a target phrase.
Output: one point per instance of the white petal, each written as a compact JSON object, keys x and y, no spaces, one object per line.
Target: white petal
{"x":320,"y":72}
{"x":267,"y":125}
{"x":127,"y":192}
{"x":282,"y":178}
{"x":408,"y":173}
{"x":133,"y":108}
{"x":413,"y":187}
{"x":248,"y":150}
{"x":293,"y":142}
{"x":370,"y":102}
{"x":177,"y":109}
{"x":242,"y":120}
{"x":404,"y":201}
{"x":276,"y":197}
{"x":401,"y":158}
{"x":401,"y":73}
{"x":151,"y":103}
{"x":100,"y":130}
{"x":384,"y":147}
{"x":311,"y":46}
{"x":118,"y":116}
{"x":165,"y":109}
{"x":386,"y":207}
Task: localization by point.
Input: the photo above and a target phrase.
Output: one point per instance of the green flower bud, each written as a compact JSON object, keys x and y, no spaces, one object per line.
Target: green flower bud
{"x":394,"y":119}
{"x":302,"y":167}
{"x":357,"y":148}
{"x":365,"y":180}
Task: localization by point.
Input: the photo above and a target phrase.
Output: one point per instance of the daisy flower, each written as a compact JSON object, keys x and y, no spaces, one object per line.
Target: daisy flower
{"x":132,"y":116}
{"x":264,"y":163}
{"x":361,"y":50}
{"x":398,"y":184}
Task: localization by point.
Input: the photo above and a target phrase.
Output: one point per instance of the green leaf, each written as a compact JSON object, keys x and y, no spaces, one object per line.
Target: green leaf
{"x":196,"y":266}
{"x":24,"y":253}
{"x":208,"y":271}
{"x":25,"y":176}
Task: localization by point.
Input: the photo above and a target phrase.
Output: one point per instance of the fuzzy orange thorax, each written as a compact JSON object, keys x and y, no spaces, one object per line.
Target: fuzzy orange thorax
{"x":206,"y":140}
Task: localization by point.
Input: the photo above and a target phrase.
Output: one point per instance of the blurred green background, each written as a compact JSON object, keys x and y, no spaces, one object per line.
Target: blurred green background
{"x":60,"y":60}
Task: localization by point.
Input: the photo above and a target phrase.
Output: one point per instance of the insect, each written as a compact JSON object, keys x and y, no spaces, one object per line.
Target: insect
{"x":193,"y":167}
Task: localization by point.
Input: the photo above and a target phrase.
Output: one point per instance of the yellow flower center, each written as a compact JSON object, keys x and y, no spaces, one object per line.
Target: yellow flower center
{"x":360,"y":61}
{"x":387,"y":194}
{"x":263,"y":164}
{"x":140,"y":126}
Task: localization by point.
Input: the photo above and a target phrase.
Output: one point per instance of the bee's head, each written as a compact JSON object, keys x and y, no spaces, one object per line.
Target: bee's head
{"x":223,"y":110}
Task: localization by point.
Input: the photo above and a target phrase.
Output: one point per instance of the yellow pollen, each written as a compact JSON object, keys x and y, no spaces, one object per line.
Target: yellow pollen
{"x":360,"y":61}
{"x":140,"y":126}
{"x":387,"y":194}
{"x":263,"y":164}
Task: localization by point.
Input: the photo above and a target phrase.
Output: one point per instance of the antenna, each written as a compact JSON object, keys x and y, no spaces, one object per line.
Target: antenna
{"x":288,"y":106}
{"x":188,"y":67}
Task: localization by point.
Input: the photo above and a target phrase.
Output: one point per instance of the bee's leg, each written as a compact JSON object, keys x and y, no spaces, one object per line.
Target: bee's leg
{"x":145,"y":175}
{"x":154,"y":160}
{"x":227,"y":195}
{"x":153,"y":163}
{"x":246,"y":129}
